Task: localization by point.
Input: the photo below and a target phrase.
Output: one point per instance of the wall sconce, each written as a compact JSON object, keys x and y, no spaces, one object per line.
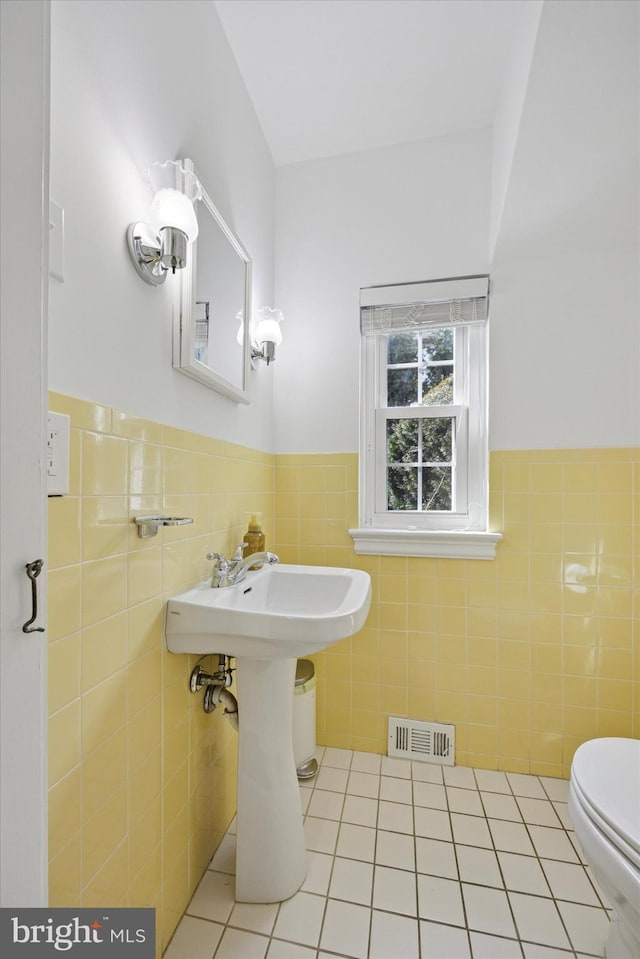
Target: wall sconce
{"x":161,"y":245}
{"x":266,"y":334}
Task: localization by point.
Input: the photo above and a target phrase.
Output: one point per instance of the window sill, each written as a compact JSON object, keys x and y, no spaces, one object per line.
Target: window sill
{"x":444,"y":544}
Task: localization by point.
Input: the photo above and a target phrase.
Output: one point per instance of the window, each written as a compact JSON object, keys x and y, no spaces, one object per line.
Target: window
{"x":423,"y":457}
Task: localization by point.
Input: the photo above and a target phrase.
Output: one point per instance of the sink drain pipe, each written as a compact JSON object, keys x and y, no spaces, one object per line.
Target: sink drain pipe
{"x":217,"y":695}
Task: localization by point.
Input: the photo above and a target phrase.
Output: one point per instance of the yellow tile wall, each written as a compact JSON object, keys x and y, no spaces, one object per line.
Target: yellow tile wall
{"x":142,"y":781}
{"x":528,"y":655}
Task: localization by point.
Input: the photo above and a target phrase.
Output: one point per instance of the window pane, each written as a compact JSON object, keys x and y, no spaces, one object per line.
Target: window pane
{"x":437,"y":385}
{"x":402,"y":387}
{"x":437,"y":439}
{"x":402,"y":441}
{"x":437,"y":345}
{"x":423,"y":439}
{"x":402,"y":348}
{"x":436,"y":488}
{"x":402,"y":487}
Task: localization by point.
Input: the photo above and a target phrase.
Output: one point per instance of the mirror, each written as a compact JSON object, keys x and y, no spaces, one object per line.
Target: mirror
{"x":215,"y":301}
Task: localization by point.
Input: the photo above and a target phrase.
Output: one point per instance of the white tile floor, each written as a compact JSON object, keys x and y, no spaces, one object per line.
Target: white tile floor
{"x":413,"y":861}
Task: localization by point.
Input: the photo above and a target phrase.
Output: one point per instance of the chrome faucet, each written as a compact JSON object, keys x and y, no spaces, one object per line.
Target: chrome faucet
{"x":228,"y":572}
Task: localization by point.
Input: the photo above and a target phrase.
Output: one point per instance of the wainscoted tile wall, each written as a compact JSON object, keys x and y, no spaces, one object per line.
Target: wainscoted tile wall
{"x":528,"y":655}
{"x":142,"y":781}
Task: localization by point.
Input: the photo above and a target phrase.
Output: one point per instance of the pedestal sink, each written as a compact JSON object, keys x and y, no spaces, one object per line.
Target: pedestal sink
{"x":267,"y":621}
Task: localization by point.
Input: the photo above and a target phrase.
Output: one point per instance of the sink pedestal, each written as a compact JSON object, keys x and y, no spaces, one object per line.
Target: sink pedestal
{"x":271,"y":860}
{"x":265,"y":622}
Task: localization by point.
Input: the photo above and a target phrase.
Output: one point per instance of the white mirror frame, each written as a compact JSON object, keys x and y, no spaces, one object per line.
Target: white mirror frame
{"x":184,"y":317}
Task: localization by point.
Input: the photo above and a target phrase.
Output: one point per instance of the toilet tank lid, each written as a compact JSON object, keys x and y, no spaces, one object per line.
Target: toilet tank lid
{"x":608,"y":773}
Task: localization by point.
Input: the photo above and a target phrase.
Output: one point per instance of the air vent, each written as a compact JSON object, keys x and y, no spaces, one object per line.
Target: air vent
{"x":426,"y":742}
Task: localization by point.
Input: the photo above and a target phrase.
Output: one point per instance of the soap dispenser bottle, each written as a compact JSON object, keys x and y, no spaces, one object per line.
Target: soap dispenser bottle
{"x":254,"y":540}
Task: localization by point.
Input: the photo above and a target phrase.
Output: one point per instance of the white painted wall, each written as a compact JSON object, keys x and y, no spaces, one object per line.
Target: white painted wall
{"x":410,"y":212}
{"x":134,"y":82}
{"x":506,"y":122}
{"x":565,"y":305}
{"x":24,"y":240}
{"x":565,"y":328}
{"x":565,"y":195}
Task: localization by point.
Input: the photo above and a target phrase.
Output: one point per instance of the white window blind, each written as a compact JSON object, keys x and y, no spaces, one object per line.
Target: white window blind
{"x":458,"y":301}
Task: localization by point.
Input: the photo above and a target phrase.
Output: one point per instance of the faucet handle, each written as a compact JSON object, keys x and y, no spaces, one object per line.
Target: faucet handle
{"x":239,"y":553}
{"x":217,"y":558}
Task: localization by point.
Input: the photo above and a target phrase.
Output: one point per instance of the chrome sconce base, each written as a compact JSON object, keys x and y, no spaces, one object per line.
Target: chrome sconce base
{"x":267,"y":353}
{"x":154,"y":257}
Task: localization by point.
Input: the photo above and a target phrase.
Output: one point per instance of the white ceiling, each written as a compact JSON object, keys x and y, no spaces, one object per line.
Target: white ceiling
{"x":334,"y":76}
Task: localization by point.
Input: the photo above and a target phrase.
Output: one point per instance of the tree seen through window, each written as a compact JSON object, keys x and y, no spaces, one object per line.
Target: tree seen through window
{"x":420,"y":451}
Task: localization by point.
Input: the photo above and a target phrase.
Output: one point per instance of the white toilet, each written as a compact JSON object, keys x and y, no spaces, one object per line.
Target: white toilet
{"x":604,"y":806}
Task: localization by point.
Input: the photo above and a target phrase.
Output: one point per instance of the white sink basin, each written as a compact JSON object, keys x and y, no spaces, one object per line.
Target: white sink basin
{"x":277,"y":611}
{"x":267,"y":621}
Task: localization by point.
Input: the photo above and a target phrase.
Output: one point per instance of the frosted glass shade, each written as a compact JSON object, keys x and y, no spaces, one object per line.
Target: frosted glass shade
{"x":172,"y":208}
{"x":267,"y":328}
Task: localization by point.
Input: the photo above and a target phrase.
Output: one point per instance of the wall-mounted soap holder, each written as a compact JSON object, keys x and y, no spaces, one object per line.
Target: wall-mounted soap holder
{"x":148,"y":525}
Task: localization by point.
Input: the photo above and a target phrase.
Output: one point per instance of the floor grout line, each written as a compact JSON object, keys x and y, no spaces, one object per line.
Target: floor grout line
{"x":390,"y":819}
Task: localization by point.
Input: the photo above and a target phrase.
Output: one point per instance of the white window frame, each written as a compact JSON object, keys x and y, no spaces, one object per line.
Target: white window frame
{"x":463,"y":532}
